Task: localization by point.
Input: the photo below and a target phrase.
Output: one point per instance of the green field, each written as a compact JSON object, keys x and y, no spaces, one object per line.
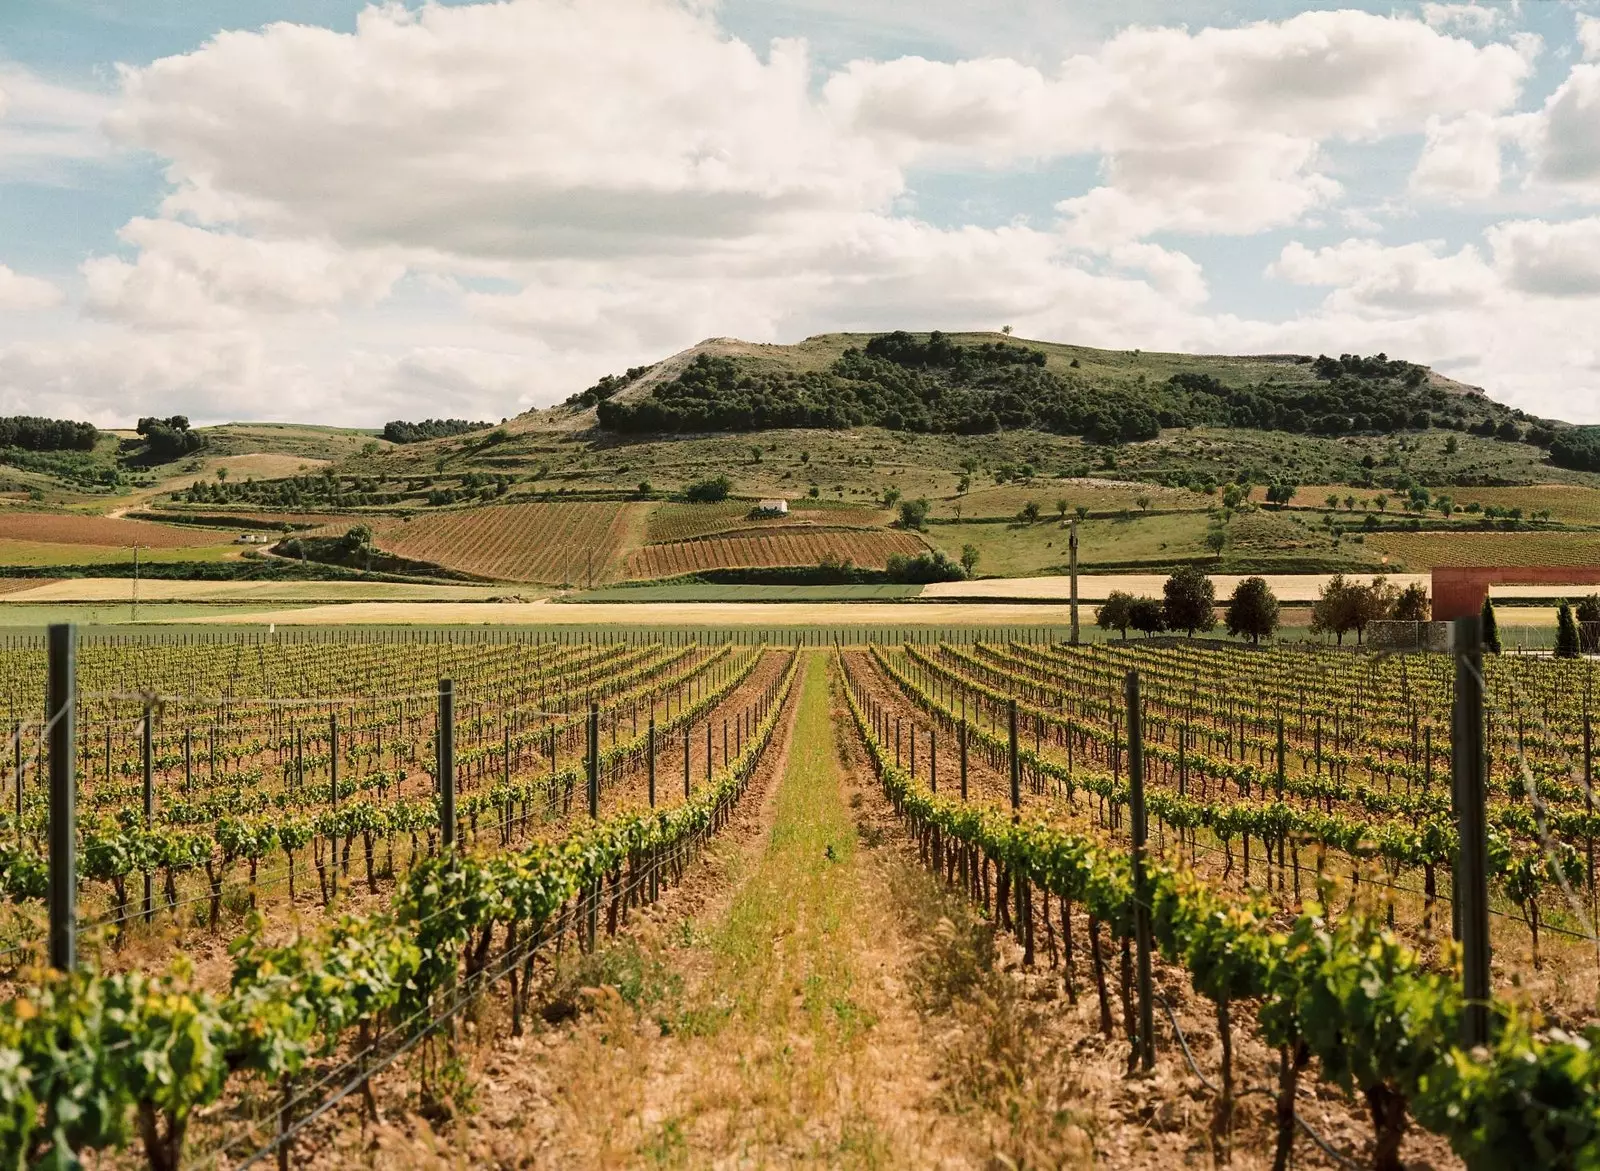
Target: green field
{"x":696,"y":592}
{"x":25,"y":615}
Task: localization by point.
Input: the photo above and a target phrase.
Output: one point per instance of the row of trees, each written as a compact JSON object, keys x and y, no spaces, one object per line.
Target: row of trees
{"x":401,"y":431}
{"x":1578,"y":633}
{"x":1347,"y":605}
{"x":33,"y":433}
{"x":1189,"y":603}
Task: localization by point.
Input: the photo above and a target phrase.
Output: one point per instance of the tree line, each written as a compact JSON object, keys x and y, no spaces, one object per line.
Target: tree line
{"x":1189,"y":603}
{"x":401,"y":431}
{"x":33,"y":433}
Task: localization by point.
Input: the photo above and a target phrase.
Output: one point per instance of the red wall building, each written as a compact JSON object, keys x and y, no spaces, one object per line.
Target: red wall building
{"x":1459,"y":591}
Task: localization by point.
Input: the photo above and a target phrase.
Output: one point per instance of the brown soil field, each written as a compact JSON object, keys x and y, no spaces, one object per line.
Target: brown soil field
{"x":76,"y":529}
{"x":795,"y":546}
{"x":543,"y":542}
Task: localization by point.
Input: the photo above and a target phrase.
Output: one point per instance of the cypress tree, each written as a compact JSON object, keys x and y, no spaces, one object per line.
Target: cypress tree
{"x":1566,"y":632}
{"x":1491,"y":629}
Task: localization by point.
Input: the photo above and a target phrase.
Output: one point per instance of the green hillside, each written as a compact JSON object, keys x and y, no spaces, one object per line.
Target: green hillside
{"x":1165,"y":458}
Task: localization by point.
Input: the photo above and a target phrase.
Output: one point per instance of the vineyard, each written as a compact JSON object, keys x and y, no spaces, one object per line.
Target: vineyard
{"x":554,"y":544}
{"x":682,"y":522}
{"x":1330,"y":776}
{"x":212,"y":810}
{"x":1418,"y":552}
{"x":869,"y":549}
{"x":385,"y":853}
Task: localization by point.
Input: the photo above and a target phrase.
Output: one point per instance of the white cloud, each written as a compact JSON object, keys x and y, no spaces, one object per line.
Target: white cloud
{"x":1472,"y":18}
{"x":1589,"y":36}
{"x":44,"y":125}
{"x":1236,"y":188}
{"x":18,"y":291}
{"x":1213,"y":131}
{"x":1565,"y":135}
{"x":639,"y":179}
{"x":1549,"y":259}
{"x":1460,"y":159}
{"x":187,"y":277}
{"x":1374,"y":279}
{"x":595,"y":127}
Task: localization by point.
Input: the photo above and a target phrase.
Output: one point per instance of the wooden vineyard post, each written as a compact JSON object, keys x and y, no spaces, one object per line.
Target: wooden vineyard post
{"x":594,"y":813}
{"x":188,"y":759}
{"x":933,"y":761}
{"x":16,"y":772}
{"x":333,"y":759}
{"x":1072,"y":566}
{"x":913,"y":751}
{"x":445,"y":742}
{"x":592,"y":762}
{"x":708,"y":750}
{"x":60,"y":729}
{"x":652,"y":758}
{"x":1588,"y":781}
{"x":962,"y":736}
{"x":1141,"y":886}
{"x":1016,"y":762}
{"x":1280,"y":756}
{"x":1427,"y":758}
{"x":1471,"y":884}
{"x":685,"y":761}
{"x":147,"y":770}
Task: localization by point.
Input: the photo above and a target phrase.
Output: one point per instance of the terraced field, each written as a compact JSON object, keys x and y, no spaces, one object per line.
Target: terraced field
{"x":1419,"y":551}
{"x":550,"y":543}
{"x":782,"y":547}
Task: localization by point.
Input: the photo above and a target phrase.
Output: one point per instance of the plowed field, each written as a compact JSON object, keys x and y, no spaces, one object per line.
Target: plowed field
{"x":769,"y":550}
{"x":1420,"y":551}
{"x":76,"y":529}
{"x":541,"y":542}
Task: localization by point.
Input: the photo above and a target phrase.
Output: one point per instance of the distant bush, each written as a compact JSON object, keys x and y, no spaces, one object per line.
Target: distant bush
{"x":710,"y":491}
{"x":607,"y":386}
{"x":169,"y":438}
{"x":924,"y":568}
{"x":400,"y":431}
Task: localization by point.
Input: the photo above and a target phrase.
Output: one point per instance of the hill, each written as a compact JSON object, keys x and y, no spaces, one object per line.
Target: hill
{"x":1165,"y":459}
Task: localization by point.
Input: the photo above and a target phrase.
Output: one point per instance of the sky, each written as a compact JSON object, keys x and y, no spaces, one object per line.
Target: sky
{"x":343,"y":213}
